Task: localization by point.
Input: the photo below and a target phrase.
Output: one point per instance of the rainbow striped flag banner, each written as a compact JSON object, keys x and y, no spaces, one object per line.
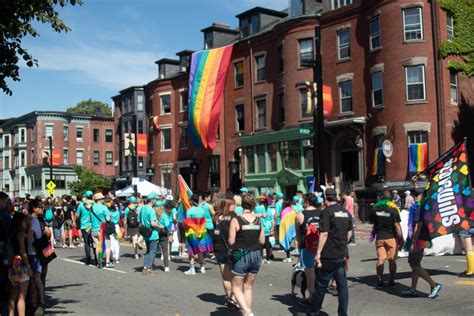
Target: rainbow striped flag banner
{"x":206,"y":89}
{"x":287,"y":227}
{"x":377,"y":166}
{"x":198,"y":239}
{"x":418,"y":157}
{"x":184,"y":193}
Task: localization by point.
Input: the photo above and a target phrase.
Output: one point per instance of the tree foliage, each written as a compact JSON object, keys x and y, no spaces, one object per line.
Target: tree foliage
{"x":16,"y":22}
{"x":462,"y":45}
{"x":89,"y":180}
{"x":91,"y":107}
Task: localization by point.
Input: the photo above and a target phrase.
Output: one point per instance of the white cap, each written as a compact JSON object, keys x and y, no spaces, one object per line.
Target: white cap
{"x":169,"y":198}
{"x":407,"y":192}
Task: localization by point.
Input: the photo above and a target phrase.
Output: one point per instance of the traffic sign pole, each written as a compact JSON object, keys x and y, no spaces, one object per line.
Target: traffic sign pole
{"x":51,"y":192}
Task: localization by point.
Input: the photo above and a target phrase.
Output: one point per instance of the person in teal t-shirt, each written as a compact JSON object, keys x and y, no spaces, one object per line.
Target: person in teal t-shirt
{"x":208,"y":211}
{"x":266,"y":217}
{"x":148,"y":219}
{"x":83,"y":212}
{"x":239,"y":210}
{"x":163,"y":224}
{"x":99,"y":214}
{"x":195,"y":211}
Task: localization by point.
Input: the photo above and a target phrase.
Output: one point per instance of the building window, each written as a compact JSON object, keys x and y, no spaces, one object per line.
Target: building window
{"x":281,"y":107}
{"x":272,"y":156}
{"x":417,"y":137}
{"x":375,"y":41}
{"x":96,"y":135}
{"x":239,"y":74}
{"x":166,"y":138}
{"x":208,"y":40}
{"x":336,"y":4}
{"x":32,"y":134}
{"x":184,"y":137}
{"x":48,"y":131}
{"x":140,"y":127}
{"x":261,"y":165}
{"x":140,"y":102}
{"x":453,"y":85}
{"x":261,"y":106}
{"x":412,"y":23}
{"x":214,"y":171}
{"x":450,"y":26}
{"x":22,"y":159}
{"x":109,"y":157}
{"x":66,"y":132}
{"x":290,"y":153}
{"x":345,"y":93}
{"x":308,"y":153}
{"x":108,"y":135}
{"x":240,"y":117}
{"x":79,"y":156}
{"x":304,"y":102}
{"x":306,"y":52}
{"x":96,"y":157}
{"x":281,"y":63}
{"x":6,"y":162}
{"x":6,"y":141}
{"x":65,"y":156}
{"x":260,"y":66}
{"x":183,"y":100}
{"x":250,"y":159}
{"x":165,"y":103}
{"x":22,"y":135}
{"x":377,"y":89}
{"x":79,"y":134}
{"x":33,"y":157}
{"x":249,"y":26}
{"x":162,"y":71}
{"x":344,"y":44}
{"x":415,"y":82}
{"x":184,"y":63}
{"x":23,"y":183}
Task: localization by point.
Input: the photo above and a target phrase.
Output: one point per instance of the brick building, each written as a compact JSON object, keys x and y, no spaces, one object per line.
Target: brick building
{"x":24,"y":150}
{"x":380,"y":59}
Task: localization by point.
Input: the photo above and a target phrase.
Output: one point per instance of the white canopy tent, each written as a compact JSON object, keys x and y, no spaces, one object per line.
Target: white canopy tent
{"x":144,"y":187}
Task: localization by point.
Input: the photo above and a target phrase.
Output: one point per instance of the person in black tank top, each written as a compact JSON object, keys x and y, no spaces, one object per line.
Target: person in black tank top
{"x":307,"y":233}
{"x":246,"y":238}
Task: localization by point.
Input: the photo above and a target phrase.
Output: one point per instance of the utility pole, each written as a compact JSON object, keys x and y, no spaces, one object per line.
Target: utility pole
{"x":318,"y":116}
{"x":50,"y":159}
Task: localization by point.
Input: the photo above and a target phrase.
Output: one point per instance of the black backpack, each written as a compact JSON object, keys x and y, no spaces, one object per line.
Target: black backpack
{"x":132,"y":219}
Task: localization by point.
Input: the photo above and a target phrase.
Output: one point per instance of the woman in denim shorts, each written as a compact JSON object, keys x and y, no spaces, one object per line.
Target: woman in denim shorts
{"x":246,"y":238}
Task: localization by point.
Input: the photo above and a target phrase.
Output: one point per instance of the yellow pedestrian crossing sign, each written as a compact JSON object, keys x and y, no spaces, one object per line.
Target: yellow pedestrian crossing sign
{"x":51,"y":192}
{"x":51,"y":186}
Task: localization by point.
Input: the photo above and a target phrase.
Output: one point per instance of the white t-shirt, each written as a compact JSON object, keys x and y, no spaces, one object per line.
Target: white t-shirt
{"x":36,"y":228}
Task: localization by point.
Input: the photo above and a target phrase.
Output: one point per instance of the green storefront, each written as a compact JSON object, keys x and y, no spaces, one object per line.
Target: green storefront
{"x":278,"y":161}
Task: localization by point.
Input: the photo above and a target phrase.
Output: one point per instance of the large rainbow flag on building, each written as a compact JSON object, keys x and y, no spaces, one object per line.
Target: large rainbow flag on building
{"x":206,"y":90}
{"x":418,"y":157}
{"x":287,"y":227}
{"x":377,"y":166}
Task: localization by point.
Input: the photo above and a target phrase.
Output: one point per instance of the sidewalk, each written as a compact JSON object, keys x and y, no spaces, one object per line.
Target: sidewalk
{"x":362,"y":231}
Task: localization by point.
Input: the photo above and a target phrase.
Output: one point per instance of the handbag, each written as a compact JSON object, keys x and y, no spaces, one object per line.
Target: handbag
{"x":237,"y":254}
{"x":109,"y":228}
{"x":144,"y":231}
{"x":44,"y":250}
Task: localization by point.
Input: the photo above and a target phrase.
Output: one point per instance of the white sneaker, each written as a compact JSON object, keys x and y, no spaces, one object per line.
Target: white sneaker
{"x":161,"y":257}
{"x":137,"y":257}
{"x":72,"y":246}
{"x":203,"y":269}
{"x":191,"y":271}
{"x":287,"y":260}
{"x":167,"y":269}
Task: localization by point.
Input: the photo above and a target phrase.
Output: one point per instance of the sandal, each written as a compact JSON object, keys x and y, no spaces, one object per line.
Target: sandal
{"x":232,"y":304}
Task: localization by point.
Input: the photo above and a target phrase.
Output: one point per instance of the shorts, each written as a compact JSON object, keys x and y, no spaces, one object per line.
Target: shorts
{"x":467,"y":233}
{"x":414,"y":258}
{"x":35,"y":264}
{"x":68,"y":224}
{"x":138,"y":240}
{"x":181,"y":234}
{"x":307,"y":259}
{"x":387,"y":249}
{"x":222,"y":258}
{"x":250,"y":263}
{"x":95,"y":239}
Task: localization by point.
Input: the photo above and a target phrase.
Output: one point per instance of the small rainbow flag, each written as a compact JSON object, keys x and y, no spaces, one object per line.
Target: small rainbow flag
{"x":206,"y":89}
{"x":184,"y":193}
{"x":102,"y":244}
{"x":377,"y":166}
{"x":287,"y":227}
{"x":418,"y":157}
{"x":198,"y":239}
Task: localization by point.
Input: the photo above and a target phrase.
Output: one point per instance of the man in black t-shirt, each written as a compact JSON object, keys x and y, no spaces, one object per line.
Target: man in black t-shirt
{"x":335,"y":228}
{"x":386,"y":219}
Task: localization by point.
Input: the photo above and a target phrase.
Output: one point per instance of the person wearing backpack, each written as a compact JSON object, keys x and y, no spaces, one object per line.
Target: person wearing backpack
{"x":131,"y":218}
{"x":307,"y":234}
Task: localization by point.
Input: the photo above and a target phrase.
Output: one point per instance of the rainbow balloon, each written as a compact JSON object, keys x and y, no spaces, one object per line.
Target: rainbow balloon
{"x":418,"y":157}
{"x":206,"y":89}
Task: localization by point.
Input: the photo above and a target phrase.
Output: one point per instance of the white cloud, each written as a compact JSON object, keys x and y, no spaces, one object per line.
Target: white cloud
{"x":110,"y":68}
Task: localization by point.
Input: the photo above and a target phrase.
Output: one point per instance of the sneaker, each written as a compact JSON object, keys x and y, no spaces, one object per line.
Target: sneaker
{"x":109,"y":265}
{"x":248,"y":313}
{"x":379,"y":285}
{"x":410,"y":293}
{"x":191,"y":271}
{"x":203,"y":269}
{"x":72,"y":246}
{"x":435,"y":291}
{"x":392,"y":283}
{"x":99,"y":266}
{"x":64,"y":246}
{"x":137,"y":257}
{"x":169,"y":258}
{"x":167,"y":269}
{"x":147,"y":272}
{"x":287,"y":260}
{"x":81,"y":245}
{"x":266,"y":261}
{"x":117,"y":261}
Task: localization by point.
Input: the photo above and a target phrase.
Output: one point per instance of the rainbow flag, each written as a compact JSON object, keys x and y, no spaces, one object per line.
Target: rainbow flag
{"x":417,"y":157}
{"x":184,"y":193}
{"x":102,"y":245}
{"x":198,"y":239}
{"x":287,"y":227}
{"x":206,"y":89}
{"x":377,"y":166}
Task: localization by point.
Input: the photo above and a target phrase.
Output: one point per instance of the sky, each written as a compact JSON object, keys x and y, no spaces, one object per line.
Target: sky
{"x":113,"y":44}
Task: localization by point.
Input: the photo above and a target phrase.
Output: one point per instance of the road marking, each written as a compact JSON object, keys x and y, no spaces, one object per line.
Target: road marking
{"x":465,"y":282}
{"x":461,"y":260}
{"x":79,"y":262}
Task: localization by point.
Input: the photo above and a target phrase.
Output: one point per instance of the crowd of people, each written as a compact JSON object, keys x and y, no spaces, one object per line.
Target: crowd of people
{"x":233,"y":230}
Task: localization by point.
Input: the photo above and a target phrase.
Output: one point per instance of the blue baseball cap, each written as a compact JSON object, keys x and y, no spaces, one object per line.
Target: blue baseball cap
{"x":244,"y":190}
{"x":152,"y":196}
{"x":88,"y":194}
{"x":159,"y":203}
{"x":132,"y":199}
{"x":279,"y":196}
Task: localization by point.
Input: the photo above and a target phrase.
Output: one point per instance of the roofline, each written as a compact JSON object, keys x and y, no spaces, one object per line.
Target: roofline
{"x":167,"y":60}
{"x":65,"y":114}
{"x":185,"y":52}
{"x":220,"y":29}
{"x":130,"y":88}
{"x":262,"y":10}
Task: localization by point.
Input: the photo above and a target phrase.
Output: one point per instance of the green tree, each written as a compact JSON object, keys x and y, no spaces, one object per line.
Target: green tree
{"x":89,"y":180}
{"x":16,"y":22}
{"x":462,"y":45}
{"x":91,"y":107}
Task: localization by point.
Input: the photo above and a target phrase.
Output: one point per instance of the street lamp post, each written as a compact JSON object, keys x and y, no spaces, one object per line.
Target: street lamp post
{"x":318,"y":116}
{"x":50,"y":159}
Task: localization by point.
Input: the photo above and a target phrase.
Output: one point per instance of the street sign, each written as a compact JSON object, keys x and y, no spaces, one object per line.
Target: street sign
{"x":387,"y":148}
{"x":51,"y":186}
{"x":51,"y":192}
{"x":305,"y":131}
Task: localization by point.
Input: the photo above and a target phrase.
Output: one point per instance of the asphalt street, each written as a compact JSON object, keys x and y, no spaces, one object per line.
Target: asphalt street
{"x":73,"y":287}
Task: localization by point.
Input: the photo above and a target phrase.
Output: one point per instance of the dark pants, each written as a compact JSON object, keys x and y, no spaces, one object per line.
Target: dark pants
{"x":164,"y":250}
{"x":268,"y":248}
{"x":331,"y":268}
{"x":277,"y":235}
{"x":87,"y":243}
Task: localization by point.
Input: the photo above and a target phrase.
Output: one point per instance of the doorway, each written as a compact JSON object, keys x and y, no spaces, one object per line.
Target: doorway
{"x":290,"y":191}
{"x":348,"y":157}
